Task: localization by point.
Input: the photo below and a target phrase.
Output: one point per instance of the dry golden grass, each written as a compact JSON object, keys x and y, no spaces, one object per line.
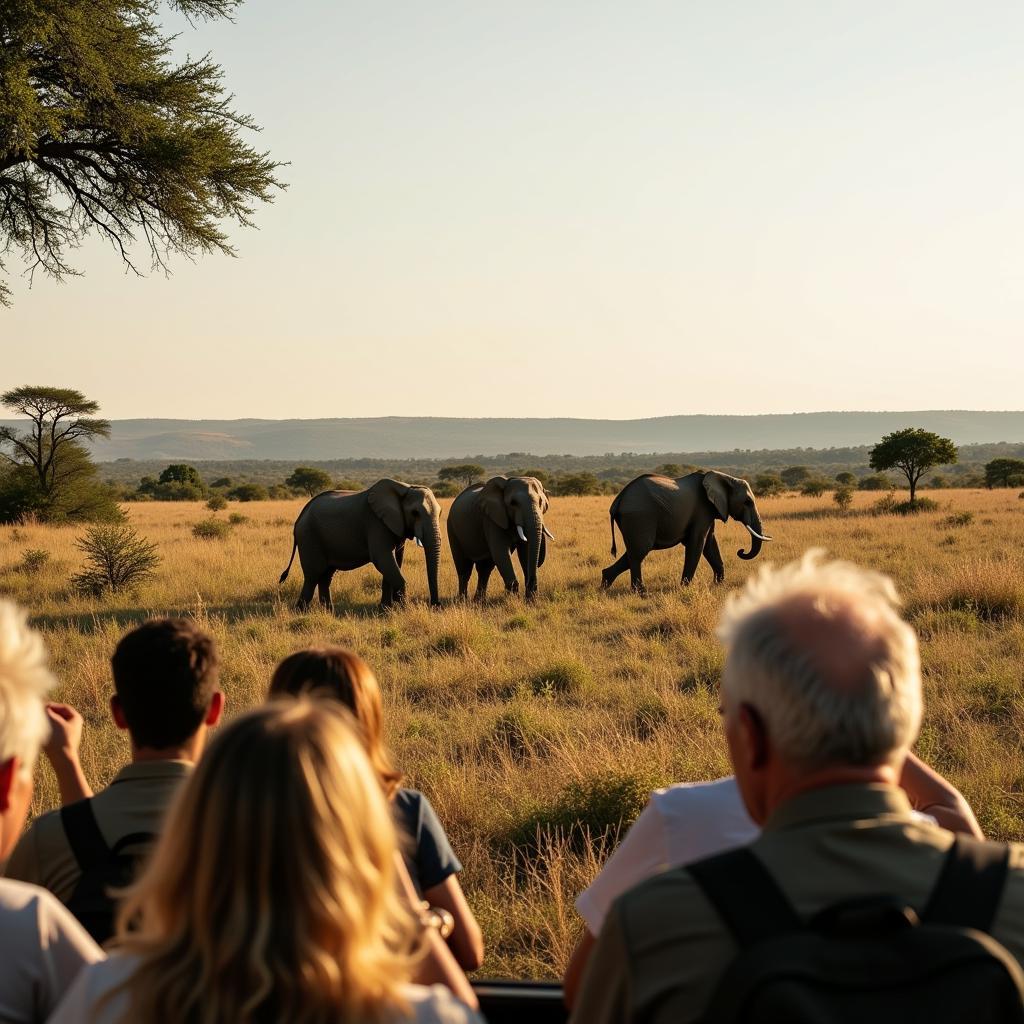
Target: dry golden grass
{"x":509,"y":715}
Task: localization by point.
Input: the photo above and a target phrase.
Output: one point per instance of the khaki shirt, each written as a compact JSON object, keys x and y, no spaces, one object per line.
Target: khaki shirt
{"x":663,"y":948}
{"x":135,"y":801}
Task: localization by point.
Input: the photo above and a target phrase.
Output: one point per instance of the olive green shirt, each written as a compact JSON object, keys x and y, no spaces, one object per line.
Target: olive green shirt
{"x":135,"y":801}
{"x":663,"y":949}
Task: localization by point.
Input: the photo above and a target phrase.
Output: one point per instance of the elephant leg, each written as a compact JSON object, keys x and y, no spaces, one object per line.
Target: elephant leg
{"x":306,"y":596}
{"x":484,"y":569}
{"x":387,"y":593}
{"x":323,"y":585}
{"x":614,"y":571}
{"x":463,"y":568}
{"x":636,"y":576}
{"x":386,"y":564}
{"x":694,"y":548}
{"x":714,"y":557}
{"x":503,"y":562}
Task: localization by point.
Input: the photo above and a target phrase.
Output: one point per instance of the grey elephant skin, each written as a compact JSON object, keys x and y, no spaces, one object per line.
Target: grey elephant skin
{"x":488,"y":521}
{"x":655,"y":512}
{"x":341,"y":530}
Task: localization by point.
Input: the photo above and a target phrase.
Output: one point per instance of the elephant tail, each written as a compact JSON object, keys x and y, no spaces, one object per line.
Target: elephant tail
{"x":611,"y":518}
{"x":288,"y":569}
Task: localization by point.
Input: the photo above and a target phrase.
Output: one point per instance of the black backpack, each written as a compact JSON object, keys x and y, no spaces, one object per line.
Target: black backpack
{"x":103,"y":868}
{"x":869,"y":960}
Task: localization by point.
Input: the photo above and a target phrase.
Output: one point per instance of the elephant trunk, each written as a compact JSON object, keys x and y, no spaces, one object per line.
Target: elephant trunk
{"x":757,"y":537}
{"x":432,"y":551}
{"x":534,"y":539}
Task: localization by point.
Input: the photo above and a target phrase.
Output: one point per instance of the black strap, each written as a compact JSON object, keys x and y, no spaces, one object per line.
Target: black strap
{"x":132,"y":839}
{"x":84,"y":835}
{"x":745,"y":895}
{"x":970,"y":884}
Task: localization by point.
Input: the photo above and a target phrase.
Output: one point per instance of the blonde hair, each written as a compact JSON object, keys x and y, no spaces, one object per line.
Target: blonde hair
{"x":342,"y":675}
{"x":25,"y":680}
{"x":813,"y":717}
{"x":272,"y":894}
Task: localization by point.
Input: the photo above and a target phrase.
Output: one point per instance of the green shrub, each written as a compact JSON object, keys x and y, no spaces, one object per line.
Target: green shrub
{"x":237,"y":519}
{"x":517,"y":623}
{"x":876,"y":482}
{"x":814,"y":488}
{"x":249,"y":492}
{"x":592,"y":810}
{"x":117,"y":559}
{"x":217,"y":502}
{"x":843,"y":497}
{"x":211,"y":529}
{"x":520,"y":731}
{"x":958,"y":519}
{"x":650,"y":713}
{"x":889,"y":506}
{"x":563,"y":678}
{"x":33,"y":560}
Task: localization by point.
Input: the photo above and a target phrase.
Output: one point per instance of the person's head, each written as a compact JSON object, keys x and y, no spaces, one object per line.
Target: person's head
{"x":165,"y":687}
{"x":276,"y":875}
{"x":821,"y":681}
{"x":25,"y":679}
{"x":341,"y":675}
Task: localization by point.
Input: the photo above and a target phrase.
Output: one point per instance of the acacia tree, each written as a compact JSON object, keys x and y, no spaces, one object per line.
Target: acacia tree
{"x":468,"y":472}
{"x":101,"y":131}
{"x":51,"y":472}
{"x":310,"y":480}
{"x":913,"y":451}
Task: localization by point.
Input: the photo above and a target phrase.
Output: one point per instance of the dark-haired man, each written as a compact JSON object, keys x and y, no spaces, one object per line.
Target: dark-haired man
{"x":166,"y":695}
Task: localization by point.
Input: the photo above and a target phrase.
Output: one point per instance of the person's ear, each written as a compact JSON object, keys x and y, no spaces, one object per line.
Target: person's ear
{"x":8,"y":773}
{"x":755,"y":736}
{"x":117,"y":713}
{"x":216,"y":708}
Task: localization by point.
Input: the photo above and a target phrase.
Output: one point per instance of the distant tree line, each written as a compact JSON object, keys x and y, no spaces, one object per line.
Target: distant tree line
{"x":47,"y":474}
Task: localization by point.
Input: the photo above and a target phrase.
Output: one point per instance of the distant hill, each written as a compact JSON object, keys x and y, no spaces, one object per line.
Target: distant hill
{"x":447,"y":437}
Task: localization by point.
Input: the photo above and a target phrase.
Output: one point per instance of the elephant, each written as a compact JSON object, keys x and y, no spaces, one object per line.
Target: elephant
{"x":655,"y":512}
{"x":487,"y":521}
{"x":346,"y":529}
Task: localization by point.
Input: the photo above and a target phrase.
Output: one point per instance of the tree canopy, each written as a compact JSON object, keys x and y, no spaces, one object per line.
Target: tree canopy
{"x":467,"y":472}
{"x":103,"y":132}
{"x":913,"y":451}
{"x":181,"y":473}
{"x":310,"y":480}
{"x":50,"y":473}
{"x":1004,"y":473}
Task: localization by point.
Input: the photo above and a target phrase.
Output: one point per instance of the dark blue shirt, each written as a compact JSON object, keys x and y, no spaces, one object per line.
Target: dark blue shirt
{"x":428,"y":854}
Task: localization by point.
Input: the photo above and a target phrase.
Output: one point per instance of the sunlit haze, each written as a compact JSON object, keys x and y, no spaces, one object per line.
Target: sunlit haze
{"x":584,"y":209}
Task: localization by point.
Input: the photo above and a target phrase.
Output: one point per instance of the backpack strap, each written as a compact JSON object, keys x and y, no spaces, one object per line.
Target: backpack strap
{"x":84,"y":835}
{"x":745,"y":896}
{"x":970,"y":884}
{"x":132,"y":839}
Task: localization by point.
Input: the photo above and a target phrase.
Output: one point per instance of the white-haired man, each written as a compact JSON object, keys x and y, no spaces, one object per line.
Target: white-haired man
{"x":43,"y":946}
{"x":821,"y":701}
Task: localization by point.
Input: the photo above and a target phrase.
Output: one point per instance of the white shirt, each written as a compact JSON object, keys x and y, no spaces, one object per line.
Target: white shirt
{"x":432,"y":1004}
{"x":680,"y":824}
{"x":42,"y":949}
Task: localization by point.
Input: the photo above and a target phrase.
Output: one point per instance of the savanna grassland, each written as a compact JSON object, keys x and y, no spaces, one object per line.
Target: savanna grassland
{"x":536,"y":730}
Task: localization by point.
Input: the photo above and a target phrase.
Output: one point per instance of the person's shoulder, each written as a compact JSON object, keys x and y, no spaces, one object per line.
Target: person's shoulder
{"x":435,"y":1004}
{"x":691,"y":797}
{"x":411,"y":798}
{"x":17,"y":896}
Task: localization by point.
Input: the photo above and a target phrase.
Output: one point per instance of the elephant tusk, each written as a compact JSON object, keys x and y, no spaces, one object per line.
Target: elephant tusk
{"x":548,"y":534}
{"x":754,"y":533}
{"x":419,"y":543}
{"x":522,"y":535}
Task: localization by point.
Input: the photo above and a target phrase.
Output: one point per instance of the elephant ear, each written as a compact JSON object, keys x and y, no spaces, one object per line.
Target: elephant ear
{"x":385,"y":498}
{"x":492,"y":501}
{"x":717,"y":488}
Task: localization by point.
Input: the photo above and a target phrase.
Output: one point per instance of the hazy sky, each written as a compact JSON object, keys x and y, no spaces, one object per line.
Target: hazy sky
{"x":581,"y":208}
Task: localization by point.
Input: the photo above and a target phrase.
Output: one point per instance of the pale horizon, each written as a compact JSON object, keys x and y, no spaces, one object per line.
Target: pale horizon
{"x":583,"y":212}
